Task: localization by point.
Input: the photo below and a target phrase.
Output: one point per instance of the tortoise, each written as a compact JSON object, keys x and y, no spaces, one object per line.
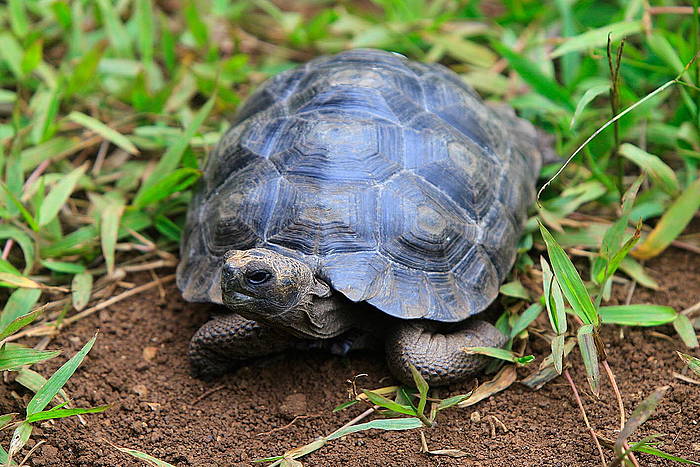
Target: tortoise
{"x":359,"y":198}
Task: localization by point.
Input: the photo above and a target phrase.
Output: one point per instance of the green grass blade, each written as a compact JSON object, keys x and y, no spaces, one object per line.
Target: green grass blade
{"x":528,"y":316}
{"x":501,"y":354}
{"x":535,"y":78}
{"x":692,"y":362}
{"x":554,"y":300}
{"x":672,"y":223}
{"x":588,"y":96}
{"x":598,"y":37}
{"x":19,"y":304}
{"x":54,"y":384}
{"x":19,"y":438}
{"x":103,"y":130}
{"x":570,"y":281}
{"x":18,"y":323}
{"x":558,"y":346}
{"x":13,"y":356}
{"x":388,"y":424}
{"x":382,"y":401}
{"x":24,"y":241}
{"x":685,"y":329}
{"x":168,"y":163}
{"x":148,"y":459}
{"x":663,"y":455}
{"x":116,"y":32}
{"x":11,"y":51}
{"x":422,"y":386}
{"x":174,"y":182}
{"x":637,"y":315}
{"x":657,"y":169}
{"x":18,"y":17}
{"x":589,"y":354}
{"x":145,"y":22}
{"x":58,"y":196}
{"x":62,"y":413}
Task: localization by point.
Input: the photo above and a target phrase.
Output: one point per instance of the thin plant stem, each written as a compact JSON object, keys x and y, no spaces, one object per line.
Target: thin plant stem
{"x":621,"y":407}
{"x":603,"y":462}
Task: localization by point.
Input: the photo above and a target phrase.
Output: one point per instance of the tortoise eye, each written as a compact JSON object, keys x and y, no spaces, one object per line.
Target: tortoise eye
{"x":258,"y":277}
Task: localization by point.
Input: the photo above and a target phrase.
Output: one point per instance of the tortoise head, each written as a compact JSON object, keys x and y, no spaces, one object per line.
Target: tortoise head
{"x":273,"y":289}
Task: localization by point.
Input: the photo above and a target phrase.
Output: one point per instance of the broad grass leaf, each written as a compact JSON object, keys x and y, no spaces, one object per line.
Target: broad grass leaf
{"x":532,"y":75}
{"x":692,"y":362}
{"x":148,"y":459}
{"x":423,"y":388}
{"x":146,"y":33}
{"x":168,"y":163}
{"x":557,"y":346}
{"x":12,"y":280}
{"x":45,"y":105}
{"x":637,"y":272}
{"x":58,"y":195}
{"x":11,"y":51}
{"x":515,"y":289}
{"x":81,"y":288}
{"x":501,"y":354}
{"x":382,"y":401}
{"x":13,"y":356}
{"x":589,"y":354}
{"x":666,"y":52}
{"x":637,"y":315}
{"x":32,"y":57}
{"x":452,"y":401}
{"x":19,"y":304}
{"x":571,"y":284}
{"x":588,"y":96}
{"x":19,"y":438}
{"x":6,"y":419}
{"x":597,"y":37}
{"x":109,"y":230}
{"x":62,"y":413}
{"x":671,"y":224}
{"x":18,"y":323}
{"x":646,"y":449}
{"x":528,"y":316}
{"x":175,"y":181}
{"x":18,"y":17}
{"x":53,"y":149}
{"x":117,"y":34}
{"x":640,"y":415}
{"x":54,"y":384}
{"x":110,"y":134}
{"x":63,"y":266}
{"x":389,"y":424}
{"x":24,"y":241}
{"x":167,"y":228}
{"x":686,"y":331}
{"x":554,"y":300}
{"x":654,"y":166}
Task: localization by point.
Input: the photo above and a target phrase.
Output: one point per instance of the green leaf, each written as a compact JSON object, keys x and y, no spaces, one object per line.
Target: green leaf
{"x":528,"y":316}
{"x":637,"y":315}
{"x":6,"y":419}
{"x":388,"y":424}
{"x":13,"y":356}
{"x":589,"y":354}
{"x":175,"y":181}
{"x":345,"y":405}
{"x":45,"y":105}
{"x":167,"y":228}
{"x":422,"y":386}
{"x":541,"y":83}
{"x":168,"y":163}
{"x":83,"y":73}
{"x":81,"y":288}
{"x":515,"y":289}
{"x":18,"y":17}
{"x":195,"y":24}
{"x":692,"y":362}
{"x":64,"y":267}
{"x":639,"y":415}
{"x":382,"y":401}
{"x":145,"y":22}
{"x":150,"y":460}
{"x":19,"y":304}
{"x":103,"y":130}
{"x":558,"y":346}
{"x":23,"y":240}
{"x":671,"y":224}
{"x":19,"y":438}
{"x":658,"y":453}
{"x":58,"y":196}
{"x":501,"y":354}
{"x":32,"y":57}
{"x":597,"y":37}
{"x":554,"y":300}
{"x":62,"y":413}
{"x":109,"y":229}
{"x":572,"y":286}
{"x":637,"y":272}
{"x":588,"y":96}
{"x":686,"y":331}
{"x":18,"y":323}
{"x":452,"y":401}
{"x":116,"y":32}
{"x":54,"y":384}
{"x":654,"y":166}
{"x":17,"y":281}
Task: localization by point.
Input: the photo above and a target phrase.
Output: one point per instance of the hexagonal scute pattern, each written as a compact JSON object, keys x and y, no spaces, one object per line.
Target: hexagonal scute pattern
{"x":390,"y":178}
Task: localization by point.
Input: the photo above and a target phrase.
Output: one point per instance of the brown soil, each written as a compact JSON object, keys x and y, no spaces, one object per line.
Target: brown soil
{"x":139,"y":366}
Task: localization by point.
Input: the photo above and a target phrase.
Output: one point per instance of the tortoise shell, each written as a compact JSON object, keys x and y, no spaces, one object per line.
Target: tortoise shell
{"x":390,"y":178}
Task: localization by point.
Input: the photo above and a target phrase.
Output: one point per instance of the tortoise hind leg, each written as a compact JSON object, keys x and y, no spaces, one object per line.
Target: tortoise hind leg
{"x":222,"y":343}
{"x":439,"y":356}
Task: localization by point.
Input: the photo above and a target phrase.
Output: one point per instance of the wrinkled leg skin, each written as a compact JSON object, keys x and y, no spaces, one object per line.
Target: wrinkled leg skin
{"x":225,"y":341}
{"x":439,"y":356}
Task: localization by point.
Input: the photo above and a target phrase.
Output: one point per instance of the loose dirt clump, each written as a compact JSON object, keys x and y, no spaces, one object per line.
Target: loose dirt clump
{"x":139,"y":366}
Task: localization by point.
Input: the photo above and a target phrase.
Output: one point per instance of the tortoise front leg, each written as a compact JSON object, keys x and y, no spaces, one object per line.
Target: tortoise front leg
{"x":439,"y":356}
{"x":225,"y":341}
